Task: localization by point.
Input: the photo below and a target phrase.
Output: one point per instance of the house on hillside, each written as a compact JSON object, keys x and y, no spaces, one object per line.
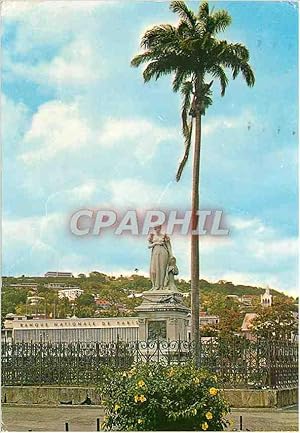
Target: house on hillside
{"x":34,"y":300}
{"x":71,"y":293}
{"x":103,"y":304}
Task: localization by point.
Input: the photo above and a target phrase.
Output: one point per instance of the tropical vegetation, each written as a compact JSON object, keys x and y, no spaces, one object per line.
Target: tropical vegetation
{"x":154,"y":397}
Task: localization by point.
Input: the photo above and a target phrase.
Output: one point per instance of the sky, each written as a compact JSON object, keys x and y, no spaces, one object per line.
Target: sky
{"x":81,"y":130}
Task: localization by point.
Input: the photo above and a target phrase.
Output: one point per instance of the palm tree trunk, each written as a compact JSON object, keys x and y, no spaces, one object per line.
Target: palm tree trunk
{"x":195,"y":241}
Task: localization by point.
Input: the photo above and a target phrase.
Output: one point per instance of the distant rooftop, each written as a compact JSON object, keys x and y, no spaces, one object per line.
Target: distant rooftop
{"x":59,"y":274}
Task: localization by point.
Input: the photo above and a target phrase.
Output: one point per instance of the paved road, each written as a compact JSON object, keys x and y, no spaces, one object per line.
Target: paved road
{"x":24,"y":418}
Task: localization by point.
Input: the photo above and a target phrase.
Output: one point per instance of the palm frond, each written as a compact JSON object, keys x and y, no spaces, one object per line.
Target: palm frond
{"x":232,"y":54}
{"x":187,"y":128}
{"x":217,"y":71}
{"x":187,"y":92}
{"x":248,"y":74}
{"x":184,"y":12}
{"x":158,"y":68}
{"x":159,"y":35}
{"x":141,"y":58}
{"x":205,"y":99}
{"x":203,"y":11}
{"x":180,"y":77}
{"x":185,"y":158}
{"x":221,"y":20}
{"x":205,"y":103}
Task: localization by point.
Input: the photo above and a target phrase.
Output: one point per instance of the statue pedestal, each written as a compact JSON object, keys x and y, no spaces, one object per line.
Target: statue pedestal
{"x":162,"y":315}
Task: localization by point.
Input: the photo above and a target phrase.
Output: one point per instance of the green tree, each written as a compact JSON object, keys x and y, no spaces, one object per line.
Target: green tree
{"x":276,"y":322}
{"x":10,"y":299}
{"x":194,"y":54}
{"x":85,"y":300}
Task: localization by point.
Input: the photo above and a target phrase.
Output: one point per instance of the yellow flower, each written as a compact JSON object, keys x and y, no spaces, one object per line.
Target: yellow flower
{"x":142,"y":398}
{"x":213,"y":391}
{"x":140,"y":421}
{"x":194,"y":411}
{"x":124,"y":374}
{"x":117,"y":407}
{"x":196,"y":380}
{"x":208,"y":415}
{"x":171,"y":372}
{"x":141,"y":383}
{"x":204,"y":426}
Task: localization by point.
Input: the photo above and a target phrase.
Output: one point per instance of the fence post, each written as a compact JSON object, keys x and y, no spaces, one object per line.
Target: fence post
{"x":117,"y":352}
{"x":40,"y":346}
{"x":269,"y":364}
{"x":98,"y":424}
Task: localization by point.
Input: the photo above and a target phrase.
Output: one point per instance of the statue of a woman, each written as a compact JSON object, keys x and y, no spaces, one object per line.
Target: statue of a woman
{"x":160,"y":256}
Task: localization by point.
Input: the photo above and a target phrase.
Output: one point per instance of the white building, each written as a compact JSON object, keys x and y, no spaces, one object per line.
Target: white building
{"x":71,"y":293}
{"x":209,"y":319}
{"x":34,"y":300}
{"x":72,"y":330}
{"x":55,"y":285}
{"x":24,"y":285}
{"x":59,"y":274}
{"x":266,"y":298}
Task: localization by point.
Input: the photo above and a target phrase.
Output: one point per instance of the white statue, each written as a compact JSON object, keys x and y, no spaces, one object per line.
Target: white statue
{"x":162,"y":266}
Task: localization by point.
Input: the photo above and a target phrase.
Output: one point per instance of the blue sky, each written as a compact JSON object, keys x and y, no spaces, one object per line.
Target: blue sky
{"x":80,"y":129}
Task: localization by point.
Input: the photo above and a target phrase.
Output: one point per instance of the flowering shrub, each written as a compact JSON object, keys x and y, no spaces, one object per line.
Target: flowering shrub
{"x":155,"y":397}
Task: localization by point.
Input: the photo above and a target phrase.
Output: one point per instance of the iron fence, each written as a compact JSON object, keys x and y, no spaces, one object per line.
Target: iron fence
{"x":237,"y":363}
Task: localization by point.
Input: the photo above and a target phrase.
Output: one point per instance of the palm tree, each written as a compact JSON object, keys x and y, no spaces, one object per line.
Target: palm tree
{"x":196,"y":57}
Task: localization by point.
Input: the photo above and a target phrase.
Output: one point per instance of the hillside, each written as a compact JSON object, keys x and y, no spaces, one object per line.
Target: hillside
{"x":105,"y":295}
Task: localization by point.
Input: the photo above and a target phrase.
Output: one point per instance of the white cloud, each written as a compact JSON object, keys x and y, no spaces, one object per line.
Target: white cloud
{"x":242,"y":224}
{"x":56,"y":127}
{"x":84,"y":191}
{"x":213,"y":125}
{"x":14,"y":119}
{"x":261,"y":240}
{"x":48,"y":23}
{"x":267,"y":249}
{"x":30,"y":237}
{"x":29,"y":230}
{"x":145,"y":135}
{"x":18,"y":9}
{"x":59,"y":127}
{"x":74,"y":67}
{"x":132,"y":192}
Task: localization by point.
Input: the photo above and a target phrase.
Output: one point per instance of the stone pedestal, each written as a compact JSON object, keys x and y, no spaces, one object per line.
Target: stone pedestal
{"x":162,"y":315}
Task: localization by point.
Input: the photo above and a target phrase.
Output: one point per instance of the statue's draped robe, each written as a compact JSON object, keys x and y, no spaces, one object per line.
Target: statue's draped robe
{"x":159,"y":261}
